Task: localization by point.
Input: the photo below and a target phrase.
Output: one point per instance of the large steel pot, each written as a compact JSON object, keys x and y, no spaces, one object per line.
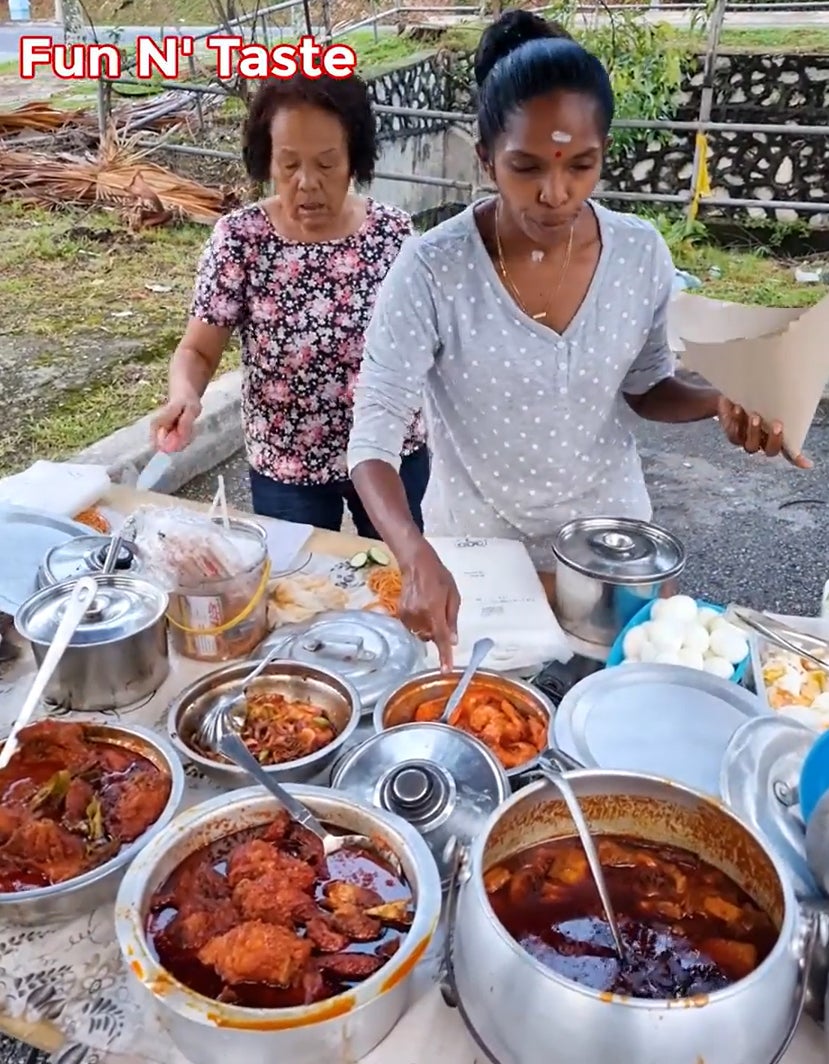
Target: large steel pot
{"x":607,"y":569}
{"x":81,"y":895}
{"x":512,"y":1003}
{"x":118,"y":654}
{"x":342,"y":1029}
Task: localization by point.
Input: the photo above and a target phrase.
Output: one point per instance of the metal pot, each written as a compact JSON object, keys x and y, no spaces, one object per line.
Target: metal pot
{"x":85,"y":556}
{"x":398,"y":706}
{"x":345,"y":1027}
{"x":80,"y":896}
{"x":118,"y":654}
{"x":607,"y":569}
{"x":495,"y":980}
{"x":330,"y":692}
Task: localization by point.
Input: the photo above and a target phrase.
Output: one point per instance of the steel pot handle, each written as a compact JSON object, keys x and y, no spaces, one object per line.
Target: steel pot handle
{"x":456,"y":857}
{"x":804,"y":963}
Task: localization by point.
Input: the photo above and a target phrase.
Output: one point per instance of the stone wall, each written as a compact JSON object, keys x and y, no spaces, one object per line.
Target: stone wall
{"x":772,"y":89}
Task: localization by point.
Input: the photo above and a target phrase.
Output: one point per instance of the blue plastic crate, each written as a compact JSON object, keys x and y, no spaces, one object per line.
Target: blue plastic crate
{"x":617,"y":657}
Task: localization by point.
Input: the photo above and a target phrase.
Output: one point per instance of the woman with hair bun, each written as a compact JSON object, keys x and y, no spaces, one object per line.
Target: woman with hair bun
{"x":532,"y":327}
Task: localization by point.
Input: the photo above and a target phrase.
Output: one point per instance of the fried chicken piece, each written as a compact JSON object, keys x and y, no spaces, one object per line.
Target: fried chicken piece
{"x":256,"y":952}
{"x":356,"y":925}
{"x":342,"y":895}
{"x":50,"y":849}
{"x":392,"y":913}
{"x":197,"y":887}
{"x":278,"y":828}
{"x":132,"y":805}
{"x":195,"y":927}
{"x":59,"y":741}
{"x":78,"y":797}
{"x":351,"y":966}
{"x":324,"y":936}
{"x":496,"y":878}
{"x":273,"y":900}
{"x":254,"y":859}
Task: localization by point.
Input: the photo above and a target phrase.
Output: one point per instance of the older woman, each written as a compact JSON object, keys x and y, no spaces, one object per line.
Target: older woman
{"x":297,"y":276}
{"x":533,"y":327}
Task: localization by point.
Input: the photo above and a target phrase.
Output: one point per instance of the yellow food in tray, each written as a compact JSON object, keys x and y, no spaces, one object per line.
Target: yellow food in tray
{"x":797,"y":687}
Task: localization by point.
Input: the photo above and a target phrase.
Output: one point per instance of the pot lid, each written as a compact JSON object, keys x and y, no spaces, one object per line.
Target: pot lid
{"x":443,"y":781}
{"x":370,"y":650}
{"x":759,"y":781}
{"x":660,"y":720}
{"x":620,"y":550}
{"x":123,"y":606}
{"x":85,"y":555}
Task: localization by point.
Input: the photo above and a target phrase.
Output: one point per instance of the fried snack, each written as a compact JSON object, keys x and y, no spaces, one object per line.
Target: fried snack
{"x":294,"y":599}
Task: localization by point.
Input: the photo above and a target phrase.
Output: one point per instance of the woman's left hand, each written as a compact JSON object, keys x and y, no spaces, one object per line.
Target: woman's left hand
{"x":753,"y":435}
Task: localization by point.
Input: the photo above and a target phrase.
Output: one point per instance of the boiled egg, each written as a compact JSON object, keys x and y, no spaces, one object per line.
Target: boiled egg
{"x":691,"y":659}
{"x":679,"y":609}
{"x":729,"y":643}
{"x":708,"y":617}
{"x":633,"y":643}
{"x":666,"y":636}
{"x":696,"y":638}
{"x":718,"y":666}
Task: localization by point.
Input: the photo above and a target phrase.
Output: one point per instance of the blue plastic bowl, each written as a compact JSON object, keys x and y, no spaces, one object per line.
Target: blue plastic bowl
{"x":617,"y":654}
{"x":814,"y":776}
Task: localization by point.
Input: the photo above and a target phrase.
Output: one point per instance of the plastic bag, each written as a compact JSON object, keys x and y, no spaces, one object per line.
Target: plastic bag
{"x":182,"y":548}
{"x":502,"y":598}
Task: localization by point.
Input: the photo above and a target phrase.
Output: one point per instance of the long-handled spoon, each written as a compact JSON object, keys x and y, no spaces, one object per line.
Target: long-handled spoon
{"x":234,"y":749}
{"x":549,"y":770}
{"x":79,"y":602}
{"x":479,"y":652}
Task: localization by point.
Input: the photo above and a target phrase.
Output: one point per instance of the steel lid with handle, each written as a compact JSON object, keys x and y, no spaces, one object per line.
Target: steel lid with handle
{"x":619,"y":550}
{"x":370,"y":650}
{"x":85,"y":555}
{"x":443,"y":781}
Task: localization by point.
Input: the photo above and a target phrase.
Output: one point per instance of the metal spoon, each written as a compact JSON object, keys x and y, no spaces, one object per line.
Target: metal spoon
{"x":227,"y":716}
{"x":479,"y":652}
{"x":234,"y":749}
{"x":79,"y":602}
{"x":549,"y":770}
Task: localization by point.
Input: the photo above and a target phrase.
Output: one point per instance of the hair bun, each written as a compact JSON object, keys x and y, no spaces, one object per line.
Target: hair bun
{"x":509,"y":32}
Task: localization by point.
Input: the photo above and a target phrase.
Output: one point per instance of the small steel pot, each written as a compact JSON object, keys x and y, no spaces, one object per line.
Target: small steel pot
{"x":118,"y":654}
{"x":85,"y":556}
{"x":345,"y":1027}
{"x":334,"y":695}
{"x":78,"y":897}
{"x":398,"y":706}
{"x":492,"y":979}
{"x":607,"y":569}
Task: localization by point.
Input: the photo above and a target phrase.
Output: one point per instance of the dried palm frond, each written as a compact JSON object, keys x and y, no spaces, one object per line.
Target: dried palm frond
{"x":117,"y":177}
{"x":40,"y":117}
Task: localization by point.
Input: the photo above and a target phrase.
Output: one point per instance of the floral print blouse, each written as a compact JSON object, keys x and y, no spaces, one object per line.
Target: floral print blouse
{"x":301,"y":311}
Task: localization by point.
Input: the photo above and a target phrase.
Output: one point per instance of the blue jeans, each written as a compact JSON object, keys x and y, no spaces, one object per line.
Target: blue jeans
{"x":323,"y":505}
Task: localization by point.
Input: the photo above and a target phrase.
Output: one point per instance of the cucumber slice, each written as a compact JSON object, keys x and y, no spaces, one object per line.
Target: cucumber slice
{"x":360,"y":560}
{"x":377,"y":556}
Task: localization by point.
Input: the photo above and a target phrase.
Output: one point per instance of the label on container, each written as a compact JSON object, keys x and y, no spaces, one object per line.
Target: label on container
{"x":205,"y":611}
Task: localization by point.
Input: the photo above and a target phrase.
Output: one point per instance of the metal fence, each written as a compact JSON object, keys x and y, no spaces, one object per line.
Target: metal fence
{"x":691,"y":198}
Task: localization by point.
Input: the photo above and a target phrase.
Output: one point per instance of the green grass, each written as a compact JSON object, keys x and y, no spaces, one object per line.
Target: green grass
{"x":88,"y":339}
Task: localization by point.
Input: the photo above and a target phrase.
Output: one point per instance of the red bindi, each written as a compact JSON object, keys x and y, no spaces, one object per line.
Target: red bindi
{"x":558,"y":154}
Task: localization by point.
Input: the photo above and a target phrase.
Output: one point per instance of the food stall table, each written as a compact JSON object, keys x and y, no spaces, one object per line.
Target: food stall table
{"x":64,"y":990}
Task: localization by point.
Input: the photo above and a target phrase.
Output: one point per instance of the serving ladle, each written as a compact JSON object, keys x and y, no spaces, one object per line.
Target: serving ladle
{"x":547,"y":767}
{"x":479,"y":651}
{"x":235,"y":750}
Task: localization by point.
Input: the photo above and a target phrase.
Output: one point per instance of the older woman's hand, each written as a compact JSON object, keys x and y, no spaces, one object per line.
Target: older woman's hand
{"x":751,"y":433}
{"x":171,"y":428}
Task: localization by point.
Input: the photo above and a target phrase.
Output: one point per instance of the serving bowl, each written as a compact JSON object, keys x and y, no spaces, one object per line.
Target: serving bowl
{"x":79,"y":896}
{"x":333,"y":694}
{"x":398,"y":706}
{"x":493,"y":980}
{"x":345,"y":1027}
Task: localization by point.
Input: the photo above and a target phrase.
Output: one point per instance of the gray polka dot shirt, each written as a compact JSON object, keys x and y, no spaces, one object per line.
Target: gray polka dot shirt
{"x":527,"y":428}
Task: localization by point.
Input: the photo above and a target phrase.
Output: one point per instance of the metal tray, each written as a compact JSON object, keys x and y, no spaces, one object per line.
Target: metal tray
{"x":661,"y":720}
{"x":25,"y":537}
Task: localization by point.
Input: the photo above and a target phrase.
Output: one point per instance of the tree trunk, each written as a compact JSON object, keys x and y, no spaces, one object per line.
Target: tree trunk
{"x":73,"y":22}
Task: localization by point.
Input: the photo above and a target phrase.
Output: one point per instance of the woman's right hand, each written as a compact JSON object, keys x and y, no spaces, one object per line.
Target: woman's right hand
{"x":172,"y":427}
{"x":430,"y":602}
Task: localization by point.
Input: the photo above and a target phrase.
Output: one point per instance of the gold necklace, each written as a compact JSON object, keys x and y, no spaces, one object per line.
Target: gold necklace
{"x":508,"y":280}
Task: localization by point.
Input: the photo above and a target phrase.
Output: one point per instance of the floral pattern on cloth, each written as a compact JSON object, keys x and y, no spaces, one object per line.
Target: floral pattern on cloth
{"x":301,"y":311}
